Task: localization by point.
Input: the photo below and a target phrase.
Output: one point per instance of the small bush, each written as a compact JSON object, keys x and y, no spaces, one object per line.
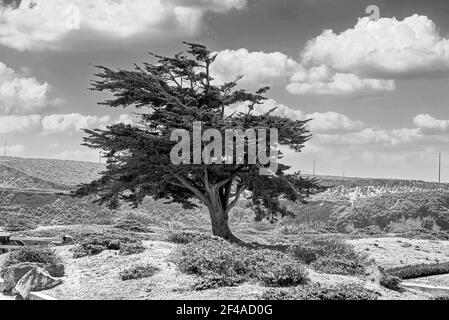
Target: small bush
{"x":310,"y":249}
{"x":322,"y":292}
{"x":95,"y":244}
{"x":221,"y":258}
{"x":45,"y":256}
{"x":185,"y":237}
{"x":132,"y":225}
{"x":19,"y":223}
{"x":390,"y":282}
{"x":214,"y":281}
{"x":419,"y":270}
{"x":339,"y":265}
{"x":139,"y":272}
{"x":131,"y":248}
{"x":443,"y":297}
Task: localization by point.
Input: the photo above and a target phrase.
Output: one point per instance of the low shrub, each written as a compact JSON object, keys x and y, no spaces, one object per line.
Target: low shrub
{"x":310,"y":249}
{"x":127,"y":249}
{"x":390,"y":282}
{"x":443,"y":297}
{"x":352,"y":291}
{"x":222,"y":259}
{"x":139,"y":271}
{"x":19,"y":223}
{"x":132,"y":225}
{"x":45,"y":256}
{"x":95,"y":244}
{"x":339,"y":265}
{"x":185,"y":237}
{"x":214,"y":281}
{"x":419,"y":270}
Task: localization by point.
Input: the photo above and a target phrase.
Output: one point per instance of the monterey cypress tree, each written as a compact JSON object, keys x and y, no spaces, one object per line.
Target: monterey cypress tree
{"x":172,"y":94}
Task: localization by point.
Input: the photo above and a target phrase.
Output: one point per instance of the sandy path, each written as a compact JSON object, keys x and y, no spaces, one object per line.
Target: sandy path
{"x":97,"y":277}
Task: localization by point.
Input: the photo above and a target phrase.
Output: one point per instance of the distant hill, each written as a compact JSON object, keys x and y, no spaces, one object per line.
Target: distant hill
{"x":46,"y":174}
{"x":352,"y":182}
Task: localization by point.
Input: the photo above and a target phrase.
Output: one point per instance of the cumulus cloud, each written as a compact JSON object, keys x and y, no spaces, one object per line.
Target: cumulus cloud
{"x":361,"y":61}
{"x":38,"y":24}
{"x":58,"y":123}
{"x":19,"y":124}
{"x":333,"y":122}
{"x":386,"y":48}
{"x":258,"y":68}
{"x":22,"y":94}
{"x":431,"y":125}
{"x":275,"y":68}
{"x":321,"y":122}
{"x":73,"y":122}
{"x":324,"y":81}
{"x":269,"y":104}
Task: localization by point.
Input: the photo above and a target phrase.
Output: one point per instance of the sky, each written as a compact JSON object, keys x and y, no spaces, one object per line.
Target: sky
{"x":376,"y":87}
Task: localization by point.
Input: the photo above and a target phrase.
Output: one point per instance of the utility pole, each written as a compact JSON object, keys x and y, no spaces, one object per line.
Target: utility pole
{"x":439,"y":167}
{"x":314,"y":166}
{"x":99,"y":158}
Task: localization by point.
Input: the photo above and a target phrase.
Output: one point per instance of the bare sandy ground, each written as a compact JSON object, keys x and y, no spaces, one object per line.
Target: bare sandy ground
{"x":397,"y":252}
{"x":97,"y":277}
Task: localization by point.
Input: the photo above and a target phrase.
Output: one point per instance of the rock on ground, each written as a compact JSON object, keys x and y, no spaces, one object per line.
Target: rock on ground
{"x":37,"y":279}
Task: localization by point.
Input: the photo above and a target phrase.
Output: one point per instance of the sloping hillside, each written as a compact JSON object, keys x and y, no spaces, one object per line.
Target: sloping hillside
{"x":45,"y":174}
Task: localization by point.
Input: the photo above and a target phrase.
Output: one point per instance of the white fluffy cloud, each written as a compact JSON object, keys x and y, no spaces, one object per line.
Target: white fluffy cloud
{"x":386,"y":48}
{"x":333,"y":122}
{"x":19,"y":124}
{"x":323,"y":80}
{"x":258,"y":68}
{"x":362,"y":61}
{"x":431,"y":125}
{"x":322,"y":122}
{"x":37,"y":24}
{"x":275,"y":68}
{"x":22,"y":94}
{"x":58,"y":123}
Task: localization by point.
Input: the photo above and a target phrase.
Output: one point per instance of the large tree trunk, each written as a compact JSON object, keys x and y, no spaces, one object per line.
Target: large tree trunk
{"x":219,"y":219}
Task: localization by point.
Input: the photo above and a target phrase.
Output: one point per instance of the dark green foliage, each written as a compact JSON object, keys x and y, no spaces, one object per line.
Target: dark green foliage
{"x":138,"y":272}
{"x":390,"y":282}
{"x":184,"y":237}
{"x":441,"y":298}
{"x":310,"y":248}
{"x":351,"y":291}
{"x":19,"y":223}
{"x":419,"y":270}
{"x":339,"y":265}
{"x":132,"y":225}
{"x":222,"y":259}
{"x":172,"y":93}
{"x":214,"y":281}
{"x":127,"y":249}
{"x":43,"y":209}
{"x":45,"y":256}
{"x":394,"y":208}
{"x":95,"y":244}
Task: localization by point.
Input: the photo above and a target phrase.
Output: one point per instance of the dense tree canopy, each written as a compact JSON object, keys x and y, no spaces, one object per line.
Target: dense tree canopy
{"x":172,"y":94}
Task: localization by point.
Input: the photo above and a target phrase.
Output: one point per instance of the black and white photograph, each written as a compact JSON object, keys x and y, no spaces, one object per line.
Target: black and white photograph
{"x":237,"y":152}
